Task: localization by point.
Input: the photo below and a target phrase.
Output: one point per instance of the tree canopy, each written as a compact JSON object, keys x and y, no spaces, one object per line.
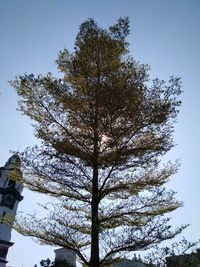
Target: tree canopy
{"x":104,"y":127}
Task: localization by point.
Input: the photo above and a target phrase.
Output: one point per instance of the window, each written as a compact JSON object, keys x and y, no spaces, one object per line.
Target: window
{"x":11,"y":183}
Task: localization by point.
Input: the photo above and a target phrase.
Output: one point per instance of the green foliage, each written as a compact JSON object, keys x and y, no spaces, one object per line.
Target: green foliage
{"x":46,"y":263}
{"x":103,"y":130}
{"x":57,"y":263}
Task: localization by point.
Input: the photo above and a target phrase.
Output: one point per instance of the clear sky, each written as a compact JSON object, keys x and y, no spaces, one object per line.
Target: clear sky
{"x":164,"y":34}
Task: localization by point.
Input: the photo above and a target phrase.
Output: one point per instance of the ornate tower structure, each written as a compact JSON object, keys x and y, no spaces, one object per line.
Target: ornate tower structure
{"x":65,"y":254}
{"x":10,"y":195}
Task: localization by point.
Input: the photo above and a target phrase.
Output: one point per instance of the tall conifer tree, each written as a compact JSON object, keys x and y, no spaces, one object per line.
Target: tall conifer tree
{"x":103,"y":129}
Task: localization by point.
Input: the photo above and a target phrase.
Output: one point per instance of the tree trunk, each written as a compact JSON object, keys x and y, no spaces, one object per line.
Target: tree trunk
{"x":94,"y":260}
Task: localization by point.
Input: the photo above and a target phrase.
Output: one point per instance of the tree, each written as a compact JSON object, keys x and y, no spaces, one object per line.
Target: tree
{"x":175,"y":255}
{"x":46,"y":263}
{"x":103,"y":130}
{"x":57,"y":263}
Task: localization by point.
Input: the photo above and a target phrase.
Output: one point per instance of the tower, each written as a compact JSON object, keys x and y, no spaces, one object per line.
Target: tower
{"x":10,"y":195}
{"x":65,"y":254}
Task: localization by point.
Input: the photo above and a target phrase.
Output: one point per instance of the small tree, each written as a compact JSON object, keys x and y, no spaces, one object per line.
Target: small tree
{"x":46,"y":263}
{"x":57,"y":263}
{"x":103,"y":130}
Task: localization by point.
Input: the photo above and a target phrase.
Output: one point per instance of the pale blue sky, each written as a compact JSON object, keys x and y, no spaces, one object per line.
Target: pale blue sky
{"x":164,"y":34}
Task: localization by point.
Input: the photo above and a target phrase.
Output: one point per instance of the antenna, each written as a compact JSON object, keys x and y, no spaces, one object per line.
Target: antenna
{"x":18,"y":148}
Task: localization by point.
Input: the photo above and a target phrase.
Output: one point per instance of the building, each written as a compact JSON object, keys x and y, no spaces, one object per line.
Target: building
{"x":185,"y":260}
{"x":135,"y":262}
{"x":65,"y":254}
{"x":10,"y":195}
